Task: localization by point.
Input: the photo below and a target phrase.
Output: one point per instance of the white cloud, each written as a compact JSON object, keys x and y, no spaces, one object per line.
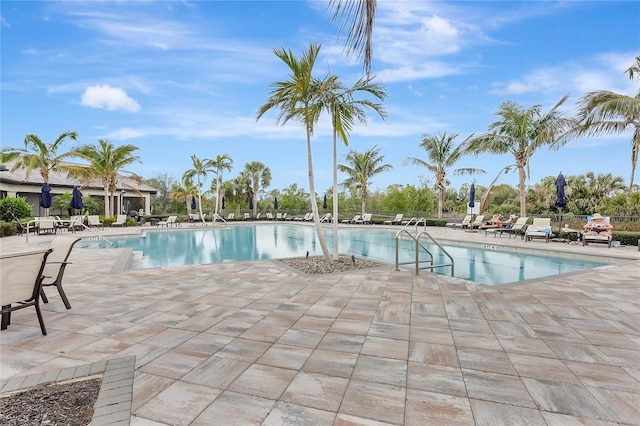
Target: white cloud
{"x":110,"y":98}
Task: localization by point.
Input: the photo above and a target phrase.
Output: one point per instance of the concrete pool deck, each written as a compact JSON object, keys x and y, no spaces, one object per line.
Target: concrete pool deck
{"x":257,"y":343}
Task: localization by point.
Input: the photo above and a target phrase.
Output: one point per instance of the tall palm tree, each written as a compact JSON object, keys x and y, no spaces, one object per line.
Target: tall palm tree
{"x":237,"y":189}
{"x":220,"y":163}
{"x":361,"y":167}
{"x":38,"y":155}
{"x":340,"y":102}
{"x":297,"y":99}
{"x":183,"y":193}
{"x":442,"y":154}
{"x":358,"y":16}
{"x":521,"y":132}
{"x":260,"y":178}
{"x":603,"y":112}
{"x":106,"y":163}
{"x":201,"y":168}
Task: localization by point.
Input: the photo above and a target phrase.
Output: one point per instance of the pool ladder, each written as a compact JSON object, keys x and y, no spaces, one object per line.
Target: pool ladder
{"x":419,"y":247}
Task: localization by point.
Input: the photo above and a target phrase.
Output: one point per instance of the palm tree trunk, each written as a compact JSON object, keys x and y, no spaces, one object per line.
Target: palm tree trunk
{"x":106,"y":200}
{"x":336,"y":251}
{"x":521,"y":178}
{"x":314,"y":203}
{"x":440,"y":202}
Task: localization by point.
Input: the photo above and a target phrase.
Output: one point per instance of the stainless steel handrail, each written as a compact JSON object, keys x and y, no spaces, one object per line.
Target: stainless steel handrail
{"x":414,"y":225}
{"x":419,"y":246}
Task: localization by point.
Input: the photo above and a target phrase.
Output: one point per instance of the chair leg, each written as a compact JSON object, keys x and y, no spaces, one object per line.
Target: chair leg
{"x":44,"y":296}
{"x":40,"y":319}
{"x":63,"y":296}
{"x":6,"y":318}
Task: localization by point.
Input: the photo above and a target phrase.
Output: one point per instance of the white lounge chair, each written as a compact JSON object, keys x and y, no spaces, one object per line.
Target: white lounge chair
{"x":231,"y":216}
{"x":170,"y":221}
{"x":395,"y":221}
{"x":246,"y":216}
{"x":366,"y":219}
{"x":121,"y":220}
{"x":20,"y":283}
{"x":326,"y":218}
{"x":514,"y":229}
{"x":269,"y":216}
{"x":94,"y":221}
{"x":354,"y":220}
{"x":607,"y":239}
{"x":541,"y":228}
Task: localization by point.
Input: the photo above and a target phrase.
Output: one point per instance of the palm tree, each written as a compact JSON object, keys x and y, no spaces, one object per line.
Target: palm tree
{"x":361,"y":167}
{"x":237,"y":188}
{"x":608,"y":112}
{"x":183,"y":193}
{"x":358,"y":16}
{"x":297,"y":99}
{"x":442,"y":154}
{"x":221,"y":163}
{"x":200,"y":170}
{"x":260,"y":177}
{"x":38,"y":155}
{"x":344,"y":109}
{"x":521,"y":131}
{"x":106,"y":163}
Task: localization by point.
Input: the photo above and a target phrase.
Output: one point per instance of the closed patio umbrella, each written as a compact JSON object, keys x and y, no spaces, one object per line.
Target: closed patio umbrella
{"x":275,"y":203}
{"x":76,"y":199}
{"x":561,"y":201}
{"x":250,"y":203}
{"x":45,"y":198}
{"x":324,"y":203}
{"x":193,"y":203}
{"x":222,"y":203}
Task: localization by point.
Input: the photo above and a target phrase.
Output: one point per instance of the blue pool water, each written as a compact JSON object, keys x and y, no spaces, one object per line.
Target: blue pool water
{"x":490,"y":266}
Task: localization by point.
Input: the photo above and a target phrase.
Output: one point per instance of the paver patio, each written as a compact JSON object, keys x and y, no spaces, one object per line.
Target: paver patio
{"x":259,"y":343}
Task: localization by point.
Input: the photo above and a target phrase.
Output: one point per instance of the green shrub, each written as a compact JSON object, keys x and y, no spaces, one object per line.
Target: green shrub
{"x":626,"y":238}
{"x":8,"y":228}
{"x":12,"y":208}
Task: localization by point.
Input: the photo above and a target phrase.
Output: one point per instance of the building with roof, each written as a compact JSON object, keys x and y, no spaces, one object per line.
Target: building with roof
{"x":130,"y":195}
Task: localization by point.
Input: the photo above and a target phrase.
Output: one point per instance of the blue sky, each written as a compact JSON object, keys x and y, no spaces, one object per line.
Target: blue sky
{"x":188,"y":77}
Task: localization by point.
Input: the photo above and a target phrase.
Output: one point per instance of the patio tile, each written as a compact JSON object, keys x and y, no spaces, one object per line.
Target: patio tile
{"x":554,"y":419}
{"x":604,"y":376}
{"x":173,"y":364}
{"x":442,"y":336}
{"x":287,"y":414}
{"x":381,"y":370}
{"x":216,"y":372}
{"x":476,"y":340}
{"x":543,"y":368}
{"x":374,"y":401}
{"x":284,"y":356}
{"x":388,"y":348}
{"x":433,"y":354}
{"x":145,"y":387}
{"x":205,"y":343}
{"x":436,"y":378}
{"x":179,"y":404}
{"x":332,"y":363}
{"x":236,"y":409}
{"x":316,"y":391}
{"x":350,"y":326}
{"x":623,"y":406}
{"x":495,"y":387}
{"x":263,"y":381}
{"x":342,"y":342}
{"x":485,"y":360}
{"x":525,"y":346}
{"x":304,"y":338}
{"x":348,"y":420}
{"x":137,"y":333}
{"x":436,"y":408}
{"x":244,"y":350}
{"x":565,"y":398}
{"x":488,"y":413}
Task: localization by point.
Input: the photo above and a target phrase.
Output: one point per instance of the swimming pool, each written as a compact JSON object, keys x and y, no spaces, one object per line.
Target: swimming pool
{"x":278,"y":241}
